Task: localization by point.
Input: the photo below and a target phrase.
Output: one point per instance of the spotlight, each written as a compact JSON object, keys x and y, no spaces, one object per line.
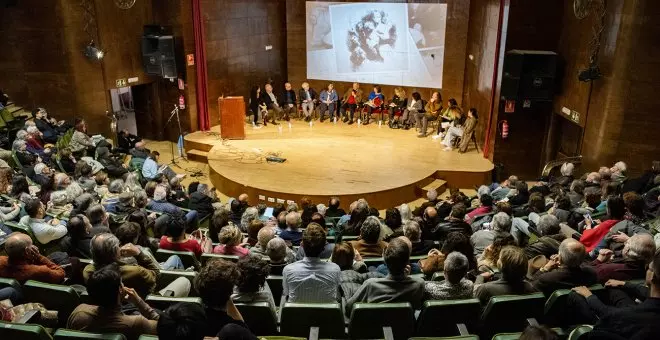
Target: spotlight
{"x":92,"y":52}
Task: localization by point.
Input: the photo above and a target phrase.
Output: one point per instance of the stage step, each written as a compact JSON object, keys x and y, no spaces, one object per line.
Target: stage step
{"x":439,"y":185}
{"x":197,"y":155}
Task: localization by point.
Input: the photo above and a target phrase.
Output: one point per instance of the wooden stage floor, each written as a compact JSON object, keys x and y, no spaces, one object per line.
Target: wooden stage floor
{"x":387,"y":167}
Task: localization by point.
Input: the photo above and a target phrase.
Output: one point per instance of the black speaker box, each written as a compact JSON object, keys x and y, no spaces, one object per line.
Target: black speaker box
{"x":529,"y":75}
{"x":158,"y":55}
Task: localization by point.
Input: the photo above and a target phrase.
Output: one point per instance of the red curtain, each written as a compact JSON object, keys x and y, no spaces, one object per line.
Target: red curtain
{"x":200,"y":66}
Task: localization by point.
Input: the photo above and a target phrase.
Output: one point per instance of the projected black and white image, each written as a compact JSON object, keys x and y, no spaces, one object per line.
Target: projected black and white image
{"x":319,"y":28}
{"x":369,"y":37}
{"x":379,"y":43}
{"x":366,"y":38}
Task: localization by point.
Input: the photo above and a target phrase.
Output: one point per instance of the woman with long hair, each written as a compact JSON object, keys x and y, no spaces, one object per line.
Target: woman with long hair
{"x":6,"y":175}
{"x":415,"y":106}
{"x":257,"y":105}
{"x":398,"y":103}
{"x":20,"y":189}
{"x":81,"y":143}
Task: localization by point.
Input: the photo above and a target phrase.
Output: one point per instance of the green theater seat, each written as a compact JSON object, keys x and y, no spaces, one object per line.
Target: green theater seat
{"x":275,"y":285}
{"x":4,"y":283}
{"x":259,"y":317}
{"x":187,"y":257}
{"x":162,"y":302}
{"x":65,"y":334}
{"x":298,"y":318}
{"x":206,"y":257}
{"x":369,"y":320}
{"x":556,"y":310}
{"x":61,"y":298}
{"x":580,"y":332}
{"x":167,"y":276}
{"x":10,"y":330}
{"x":509,"y":313}
{"x":440,"y":318}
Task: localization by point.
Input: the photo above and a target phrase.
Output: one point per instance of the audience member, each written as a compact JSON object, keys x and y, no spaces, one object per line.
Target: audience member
{"x":635,"y":256}
{"x":454,"y":222}
{"x":178,"y":240}
{"x":292,"y":234}
{"x":333,"y":208}
{"x":455,"y":242}
{"x":24,"y":262}
{"x":455,"y":286}
{"x":278,"y":254}
{"x":486,"y":206}
{"x":107,"y":293}
{"x":353,"y":270}
{"x":513,"y":266}
{"x":202,"y":200}
{"x":230,"y":242}
{"x":182,"y":321}
{"x":592,"y":235}
{"x":44,"y":231}
{"x":501,"y":223}
{"x":251,"y":285}
{"x":419,"y":247}
{"x":369,"y":244}
{"x":551,"y":237}
{"x":565,"y":270}
{"x":398,"y":286}
{"x":312,"y":280}
{"x":77,"y":242}
{"x":215,"y":284}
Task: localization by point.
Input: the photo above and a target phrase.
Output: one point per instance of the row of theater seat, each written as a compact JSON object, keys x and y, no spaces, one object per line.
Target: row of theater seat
{"x":367,"y":320}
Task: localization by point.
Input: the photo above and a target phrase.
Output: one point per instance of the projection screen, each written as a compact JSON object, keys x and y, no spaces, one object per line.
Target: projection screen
{"x":377,"y":43}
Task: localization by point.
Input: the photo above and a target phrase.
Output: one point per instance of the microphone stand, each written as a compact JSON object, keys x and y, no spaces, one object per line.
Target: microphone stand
{"x":175,"y":112}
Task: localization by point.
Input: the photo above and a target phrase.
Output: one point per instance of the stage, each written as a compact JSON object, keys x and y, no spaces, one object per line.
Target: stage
{"x":387,"y":167}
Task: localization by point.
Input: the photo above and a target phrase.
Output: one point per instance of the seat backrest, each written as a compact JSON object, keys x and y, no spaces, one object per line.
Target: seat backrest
{"x":373,"y":261}
{"x":64,"y":334}
{"x":439,"y":318}
{"x":507,"y":336}
{"x":368,"y":319}
{"x":10,"y":330}
{"x":162,"y":302}
{"x":54,"y":297}
{"x":187,"y":257}
{"x":580,"y":332}
{"x":168,"y":276}
{"x":259,"y":317}
{"x":275,"y":285}
{"x":206,"y":257}
{"x":557,"y":311}
{"x":4,"y":283}
{"x":298,"y":318}
{"x":516,"y":308}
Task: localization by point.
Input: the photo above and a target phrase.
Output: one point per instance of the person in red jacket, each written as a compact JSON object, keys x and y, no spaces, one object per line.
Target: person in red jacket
{"x":592,"y":235}
{"x":25,"y":263}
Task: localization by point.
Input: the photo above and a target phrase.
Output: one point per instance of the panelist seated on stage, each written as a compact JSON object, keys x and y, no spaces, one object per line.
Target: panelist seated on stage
{"x":432,"y":111}
{"x":271,"y":101}
{"x":257,"y":105}
{"x":398,"y":103}
{"x":288,"y":101}
{"x":465,"y":131}
{"x":376,"y":100}
{"x":328,"y":102}
{"x":351,"y":100}
{"x":307,"y":97}
{"x":415,"y":106}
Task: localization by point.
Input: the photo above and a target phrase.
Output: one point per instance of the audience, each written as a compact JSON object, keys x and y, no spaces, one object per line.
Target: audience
{"x":551,"y":237}
{"x":312,"y":280}
{"x":636,"y":254}
{"x":44,"y":231}
{"x":414,"y":234}
{"x":353,"y":270}
{"x":333,"y":208}
{"x":178,"y":240}
{"x":278,"y":254}
{"x":501,"y":223}
{"x":292,"y":233}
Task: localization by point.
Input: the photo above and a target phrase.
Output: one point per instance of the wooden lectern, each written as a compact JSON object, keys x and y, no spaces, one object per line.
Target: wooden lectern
{"x":232,"y":117}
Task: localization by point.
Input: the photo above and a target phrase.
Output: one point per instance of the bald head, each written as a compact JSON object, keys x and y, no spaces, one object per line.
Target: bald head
{"x":16,"y":245}
{"x":265,"y":234}
{"x":571,"y":253}
{"x":431,"y":212}
{"x":640,"y":247}
{"x":243,"y":198}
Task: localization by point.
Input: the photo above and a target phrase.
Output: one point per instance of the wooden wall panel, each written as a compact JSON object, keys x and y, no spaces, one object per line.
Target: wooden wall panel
{"x":237,"y":32}
{"x":458,"y":15}
{"x":622,"y":106}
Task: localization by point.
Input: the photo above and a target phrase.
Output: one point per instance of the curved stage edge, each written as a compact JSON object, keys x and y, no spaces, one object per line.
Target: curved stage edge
{"x":368,"y":164}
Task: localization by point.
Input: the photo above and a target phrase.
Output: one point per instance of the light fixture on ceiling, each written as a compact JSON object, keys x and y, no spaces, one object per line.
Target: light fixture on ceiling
{"x":92,"y":52}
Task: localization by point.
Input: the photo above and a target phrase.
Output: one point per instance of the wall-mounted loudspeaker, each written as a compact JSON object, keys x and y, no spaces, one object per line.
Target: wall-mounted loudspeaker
{"x":158,"y":54}
{"x":529,"y":75}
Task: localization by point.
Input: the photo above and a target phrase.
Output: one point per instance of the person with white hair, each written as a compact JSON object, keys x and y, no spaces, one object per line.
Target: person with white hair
{"x":566,"y":269}
{"x":619,"y":172}
{"x":250,"y":214}
{"x":406,"y":214}
{"x":59,"y":204}
{"x":481,"y":239}
{"x":42,"y":174}
{"x":636,"y":255}
{"x":307,"y":98}
{"x":566,"y":177}
{"x":292,"y":233}
{"x":432,"y":200}
{"x":202,"y":200}
{"x":160,"y":204}
{"x":321,"y":208}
